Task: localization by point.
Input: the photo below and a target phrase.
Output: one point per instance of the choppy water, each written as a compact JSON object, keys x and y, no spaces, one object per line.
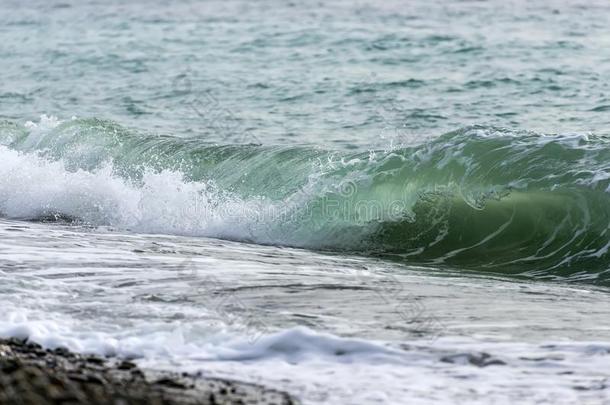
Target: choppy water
{"x":359,"y":203}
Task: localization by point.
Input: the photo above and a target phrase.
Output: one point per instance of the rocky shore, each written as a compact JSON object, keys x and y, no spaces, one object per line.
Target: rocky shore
{"x":31,"y":375}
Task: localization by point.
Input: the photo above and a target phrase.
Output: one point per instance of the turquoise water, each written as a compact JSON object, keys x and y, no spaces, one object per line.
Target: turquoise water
{"x":335,"y":74}
{"x":331,"y":198}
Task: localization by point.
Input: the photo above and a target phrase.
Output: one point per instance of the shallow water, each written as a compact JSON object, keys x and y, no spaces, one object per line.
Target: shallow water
{"x":326,"y":327}
{"x":358,"y":203}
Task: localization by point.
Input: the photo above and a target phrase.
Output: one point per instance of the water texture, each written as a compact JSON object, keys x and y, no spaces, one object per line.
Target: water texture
{"x":356,"y":202}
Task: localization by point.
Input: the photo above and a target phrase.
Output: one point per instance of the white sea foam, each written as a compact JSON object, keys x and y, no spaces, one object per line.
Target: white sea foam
{"x":163,"y":202}
{"x":46,"y":123}
{"x":293,"y":345}
{"x":323,"y":368}
{"x":130,"y":295}
{"x":176,"y":346}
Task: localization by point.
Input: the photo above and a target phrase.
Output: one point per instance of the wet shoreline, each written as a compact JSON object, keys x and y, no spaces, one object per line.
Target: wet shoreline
{"x":30,"y":374}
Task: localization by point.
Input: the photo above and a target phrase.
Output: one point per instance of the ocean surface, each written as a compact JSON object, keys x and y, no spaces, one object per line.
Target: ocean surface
{"x":358,"y":202}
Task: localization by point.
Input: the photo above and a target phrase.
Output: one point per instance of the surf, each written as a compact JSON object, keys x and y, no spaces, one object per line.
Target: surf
{"x":482,"y":198}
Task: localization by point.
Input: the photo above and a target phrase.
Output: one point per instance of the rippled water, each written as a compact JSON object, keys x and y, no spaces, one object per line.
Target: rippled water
{"x":339,"y":73}
{"x":356,"y":202}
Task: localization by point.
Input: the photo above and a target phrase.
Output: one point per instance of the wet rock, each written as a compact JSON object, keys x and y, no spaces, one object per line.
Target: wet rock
{"x":168,"y":382}
{"x":95,"y":360}
{"x":32,"y":376}
{"x":61,"y":351}
{"x":475,"y":359}
{"x":9,"y":365}
{"x":126,"y":365}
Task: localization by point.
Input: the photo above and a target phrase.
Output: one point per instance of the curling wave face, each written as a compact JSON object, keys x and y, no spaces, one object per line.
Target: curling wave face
{"x":482,"y":198}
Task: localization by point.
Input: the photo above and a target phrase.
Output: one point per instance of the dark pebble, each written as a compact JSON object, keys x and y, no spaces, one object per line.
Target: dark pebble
{"x":96,"y":360}
{"x":168,"y":382}
{"x":61,"y":351}
{"x":126,"y":365}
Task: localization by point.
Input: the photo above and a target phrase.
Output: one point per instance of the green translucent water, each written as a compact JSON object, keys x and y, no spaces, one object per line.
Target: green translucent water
{"x":480,"y":198}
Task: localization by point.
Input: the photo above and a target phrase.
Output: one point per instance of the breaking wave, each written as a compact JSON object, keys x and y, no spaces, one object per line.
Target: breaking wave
{"x":482,"y":198}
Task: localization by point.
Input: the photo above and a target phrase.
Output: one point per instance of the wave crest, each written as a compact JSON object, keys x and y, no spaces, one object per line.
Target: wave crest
{"x":480,"y":197}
